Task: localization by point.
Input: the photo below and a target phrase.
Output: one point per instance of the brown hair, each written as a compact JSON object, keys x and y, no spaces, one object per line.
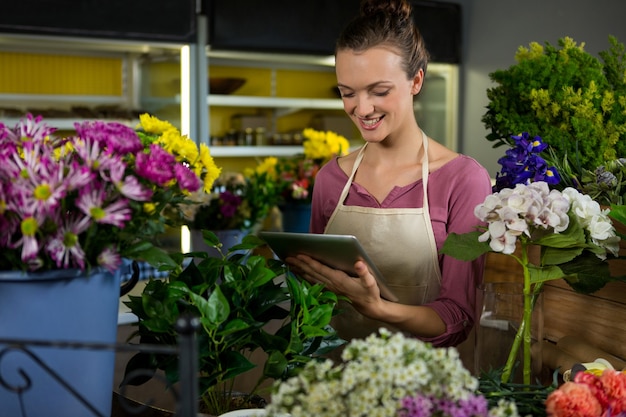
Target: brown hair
{"x":388,"y":23}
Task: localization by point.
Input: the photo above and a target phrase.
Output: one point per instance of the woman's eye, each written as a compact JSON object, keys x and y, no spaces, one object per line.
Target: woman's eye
{"x":347,"y":95}
{"x":380,"y":93}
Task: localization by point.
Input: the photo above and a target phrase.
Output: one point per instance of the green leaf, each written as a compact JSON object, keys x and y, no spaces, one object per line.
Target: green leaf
{"x":556,"y":256}
{"x":275,"y":365}
{"x":465,"y":247}
{"x":618,"y":213}
{"x":320,"y":316}
{"x":235,"y":364}
{"x":587,"y":273}
{"x":216,"y":309}
{"x":233,"y":326}
{"x":573,"y":236}
{"x":543,"y":274}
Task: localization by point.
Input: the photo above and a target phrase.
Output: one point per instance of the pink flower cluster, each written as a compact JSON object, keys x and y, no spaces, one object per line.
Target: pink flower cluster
{"x":590,"y":395}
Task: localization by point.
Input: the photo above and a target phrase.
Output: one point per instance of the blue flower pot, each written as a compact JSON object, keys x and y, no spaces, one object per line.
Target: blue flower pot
{"x":296,"y":217}
{"x":57,"y":306}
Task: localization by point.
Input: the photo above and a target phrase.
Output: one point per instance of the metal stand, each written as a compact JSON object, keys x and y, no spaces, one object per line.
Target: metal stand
{"x":187,"y":351}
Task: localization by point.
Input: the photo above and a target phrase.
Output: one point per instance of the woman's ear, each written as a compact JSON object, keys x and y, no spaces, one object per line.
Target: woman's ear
{"x":418,"y":81}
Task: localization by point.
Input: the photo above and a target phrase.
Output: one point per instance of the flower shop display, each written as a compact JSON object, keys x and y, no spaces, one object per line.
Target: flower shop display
{"x":247,"y":304}
{"x":235,"y":202}
{"x":236,"y":206}
{"x":576,"y":101}
{"x":72,"y":207}
{"x":295,"y":176}
{"x":387,"y":374}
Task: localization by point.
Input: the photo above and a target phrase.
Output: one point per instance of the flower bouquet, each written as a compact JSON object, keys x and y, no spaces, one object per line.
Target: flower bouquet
{"x":386,"y":374}
{"x":88,"y":199}
{"x":295,"y":176}
{"x":574,"y":234}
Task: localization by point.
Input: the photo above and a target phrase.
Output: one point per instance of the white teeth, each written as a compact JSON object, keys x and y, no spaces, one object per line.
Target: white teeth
{"x":370,"y":122}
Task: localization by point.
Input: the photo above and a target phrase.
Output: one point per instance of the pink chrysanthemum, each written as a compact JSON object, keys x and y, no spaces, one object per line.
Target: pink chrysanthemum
{"x":64,"y":248}
{"x":92,"y":203}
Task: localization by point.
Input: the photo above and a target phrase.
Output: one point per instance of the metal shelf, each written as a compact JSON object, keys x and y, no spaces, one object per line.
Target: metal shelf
{"x":68,"y":124}
{"x":251,"y":151}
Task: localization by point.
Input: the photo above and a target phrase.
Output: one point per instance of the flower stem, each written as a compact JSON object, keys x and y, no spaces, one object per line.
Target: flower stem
{"x":531,"y":293}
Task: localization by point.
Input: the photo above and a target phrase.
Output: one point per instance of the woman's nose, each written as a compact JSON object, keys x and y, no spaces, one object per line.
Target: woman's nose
{"x":364,"y":107}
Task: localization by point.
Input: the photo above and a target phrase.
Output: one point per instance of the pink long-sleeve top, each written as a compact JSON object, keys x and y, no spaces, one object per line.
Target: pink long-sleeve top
{"x":454,"y":190}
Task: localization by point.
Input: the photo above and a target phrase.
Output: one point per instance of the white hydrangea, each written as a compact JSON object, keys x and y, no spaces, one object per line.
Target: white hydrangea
{"x":377,"y":373}
{"x":533,"y":210}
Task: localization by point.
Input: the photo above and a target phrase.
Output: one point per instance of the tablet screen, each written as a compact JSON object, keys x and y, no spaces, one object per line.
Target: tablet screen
{"x":336,"y":251}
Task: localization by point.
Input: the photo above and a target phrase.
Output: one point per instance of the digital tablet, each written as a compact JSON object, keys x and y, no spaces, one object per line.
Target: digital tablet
{"x":336,"y":251}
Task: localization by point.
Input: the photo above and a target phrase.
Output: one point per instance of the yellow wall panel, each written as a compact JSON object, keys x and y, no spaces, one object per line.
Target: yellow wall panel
{"x":22,"y":73}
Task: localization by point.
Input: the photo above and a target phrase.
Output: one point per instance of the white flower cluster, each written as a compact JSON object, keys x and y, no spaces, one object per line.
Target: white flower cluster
{"x":534,"y":210}
{"x":376,"y":374}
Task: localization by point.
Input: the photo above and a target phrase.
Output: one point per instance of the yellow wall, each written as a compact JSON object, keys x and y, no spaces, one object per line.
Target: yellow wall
{"x":24,"y":73}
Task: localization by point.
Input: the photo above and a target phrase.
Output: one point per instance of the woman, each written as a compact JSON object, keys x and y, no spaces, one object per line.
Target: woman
{"x":400,"y":194}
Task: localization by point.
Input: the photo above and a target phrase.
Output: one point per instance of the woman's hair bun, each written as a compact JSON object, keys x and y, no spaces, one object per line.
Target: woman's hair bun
{"x":395,"y":9}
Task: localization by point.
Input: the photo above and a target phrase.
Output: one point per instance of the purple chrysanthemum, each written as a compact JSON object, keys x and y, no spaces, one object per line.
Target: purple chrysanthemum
{"x":187,"y":179}
{"x":229,"y":203}
{"x":156,"y":166}
{"x":115,"y":137}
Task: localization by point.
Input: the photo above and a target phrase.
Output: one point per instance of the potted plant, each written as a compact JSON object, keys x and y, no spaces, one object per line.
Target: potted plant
{"x":295,"y":176}
{"x":72,"y":207}
{"x":245,"y":303}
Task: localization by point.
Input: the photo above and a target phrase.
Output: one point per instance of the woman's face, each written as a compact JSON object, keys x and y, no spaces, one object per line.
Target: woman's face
{"x":375,"y":91}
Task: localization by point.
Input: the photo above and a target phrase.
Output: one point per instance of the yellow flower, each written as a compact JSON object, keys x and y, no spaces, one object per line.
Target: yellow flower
{"x":152,"y":124}
{"x":324,"y":145}
{"x":149,"y":208}
{"x":183,"y":148}
{"x":206,"y":164}
{"x":267,"y":166}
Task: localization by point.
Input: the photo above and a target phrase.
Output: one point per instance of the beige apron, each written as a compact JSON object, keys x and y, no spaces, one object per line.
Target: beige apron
{"x":401,"y":243}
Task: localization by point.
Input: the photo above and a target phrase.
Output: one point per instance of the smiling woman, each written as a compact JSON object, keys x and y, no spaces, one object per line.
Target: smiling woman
{"x":387,"y":185}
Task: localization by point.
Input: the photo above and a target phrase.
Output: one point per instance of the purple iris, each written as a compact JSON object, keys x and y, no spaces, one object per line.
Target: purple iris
{"x":522,"y":164}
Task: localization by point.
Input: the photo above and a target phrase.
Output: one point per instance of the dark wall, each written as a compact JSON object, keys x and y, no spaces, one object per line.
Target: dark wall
{"x":156,"y":20}
{"x":312,"y":26}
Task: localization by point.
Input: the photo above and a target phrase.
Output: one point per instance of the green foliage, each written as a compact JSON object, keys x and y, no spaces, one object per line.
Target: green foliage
{"x":245,"y":302}
{"x":529,"y":398}
{"x":573,"y":100}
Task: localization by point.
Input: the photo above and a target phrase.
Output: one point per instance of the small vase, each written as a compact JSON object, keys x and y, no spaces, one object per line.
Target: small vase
{"x":501,"y":311}
{"x":60,"y":307}
{"x":296,"y":217}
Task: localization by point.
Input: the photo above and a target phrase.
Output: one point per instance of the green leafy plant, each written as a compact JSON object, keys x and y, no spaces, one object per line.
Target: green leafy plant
{"x":238,"y":297}
{"x":576,"y":101}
